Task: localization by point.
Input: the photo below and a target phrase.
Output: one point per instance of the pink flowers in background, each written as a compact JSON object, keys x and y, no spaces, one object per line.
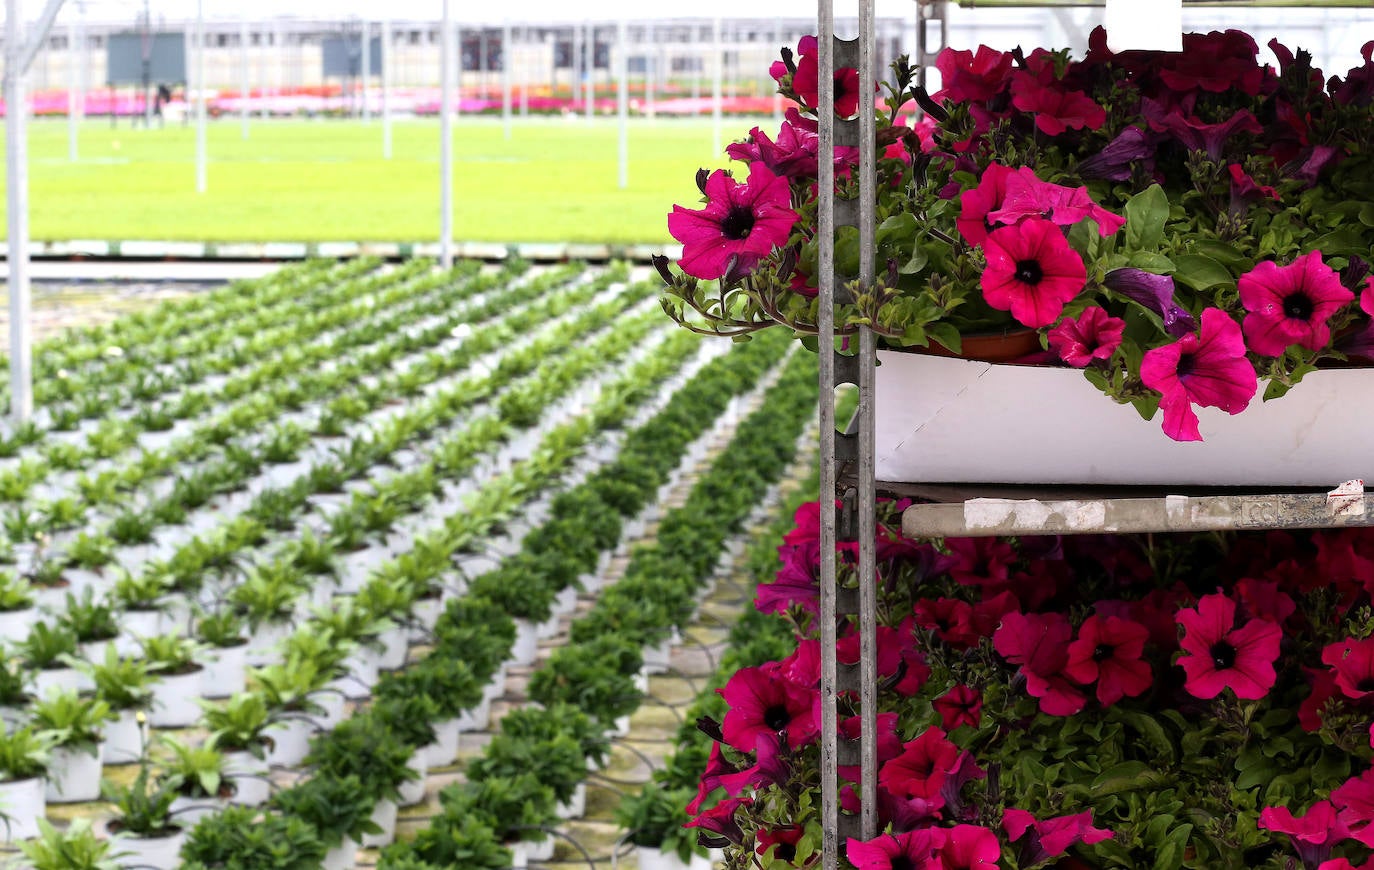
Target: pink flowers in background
{"x":741,"y":223}
{"x":1091,"y":337}
{"x":1208,"y":369}
{"x":807,"y":84}
{"x":1031,"y":271}
{"x":1290,"y":304}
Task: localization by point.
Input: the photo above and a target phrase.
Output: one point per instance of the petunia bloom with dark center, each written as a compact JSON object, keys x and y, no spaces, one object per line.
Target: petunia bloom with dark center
{"x":1208,"y":369}
{"x":1291,"y":304}
{"x":1031,"y":272}
{"x":740,"y":225}
{"x":1218,"y":654}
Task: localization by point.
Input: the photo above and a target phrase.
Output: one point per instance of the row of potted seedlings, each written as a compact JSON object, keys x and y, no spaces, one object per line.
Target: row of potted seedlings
{"x":474,"y":637}
{"x":601,"y":675}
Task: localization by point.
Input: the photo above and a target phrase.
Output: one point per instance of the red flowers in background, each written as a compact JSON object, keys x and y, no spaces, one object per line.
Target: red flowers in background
{"x":740,"y":225}
{"x":1208,"y":369}
{"x":1218,"y":654}
{"x":806,"y":83}
{"x":1108,"y":652}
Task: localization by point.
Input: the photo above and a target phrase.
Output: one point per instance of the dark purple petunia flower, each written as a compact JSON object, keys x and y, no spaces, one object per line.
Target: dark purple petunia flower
{"x":1194,"y":134}
{"x":1114,"y":160}
{"x":1155,"y":292}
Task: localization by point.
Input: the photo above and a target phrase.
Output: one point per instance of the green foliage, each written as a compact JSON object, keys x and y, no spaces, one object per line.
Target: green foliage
{"x":76,"y":848}
{"x":653,"y":818}
{"x":240,"y":838}
{"x":337,"y":807}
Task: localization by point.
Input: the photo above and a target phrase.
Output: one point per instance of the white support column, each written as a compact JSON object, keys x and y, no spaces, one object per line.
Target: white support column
{"x":446,"y":59}
{"x":200,"y":96}
{"x":17,"y":214}
{"x":777,"y":46}
{"x":622,"y":108}
{"x":245,"y":82}
{"x":651,"y":73}
{"x":386,"y":84}
{"x":589,"y":81}
{"x":506,"y":61}
{"x":367,"y":69}
{"x":717,"y":75}
{"x":76,"y":93}
{"x":525,"y":78}
{"x":577,"y":65}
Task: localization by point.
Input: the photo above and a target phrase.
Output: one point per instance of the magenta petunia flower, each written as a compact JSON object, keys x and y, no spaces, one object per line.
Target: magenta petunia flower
{"x":1094,"y":335}
{"x":806,"y":81}
{"x":770,"y":767}
{"x":1107,"y":651}
{"x":794,"y":154}
{"x":741,"y":222}
{"x":1219,"y":655}
{"x":889,"y":742}
{"x":1039,"y":643}
{"x":1354,"y":801}
{"x":1195,"y":134}
{"x":719,"y":821}
{"x":922,"y":768}
{"x":1038,"y":841}
{"x":717,"y":768}
{"x":976,"y":203}
{"x":763,"y":703}
{"x":1291,"y":304}
{"x":1216,"y":62}
{"x":969,"y":77}
{"x":782,"y":840}
{"x":908,"y":851}
{"x":1208,"y":369}
{"x":961,"y":705}
{"x":1312,"y":836}
{"x":1031,"y":272}
{"x":1055,"y":110}
{"x":968,"y":847}
{"x":1353,"y":663}
{"x":1367,"y":297}
{"x":1025,"y":195}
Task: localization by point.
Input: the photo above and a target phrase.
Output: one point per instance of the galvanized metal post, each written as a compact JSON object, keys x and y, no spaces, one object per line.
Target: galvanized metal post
{"x":386,"y":83}
{"x":589,"y":81}
{"x":245,"y":86}
{"x":777,"y":46}
{"x":505,"y":76}
{"x":76,"y":67}
{"x":446,"y":139}
{"x":830,"y":803}
{"x":578,"y":50}
{"x":200,"y":96}
{"x":717,"y":89}
{"x":17,"y":213}
{"x":366,"y":60}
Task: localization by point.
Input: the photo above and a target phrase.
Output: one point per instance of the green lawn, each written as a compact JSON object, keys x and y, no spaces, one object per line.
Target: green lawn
{"x":552,"y":181}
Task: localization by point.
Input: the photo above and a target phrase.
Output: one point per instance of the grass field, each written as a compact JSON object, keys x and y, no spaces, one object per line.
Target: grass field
{"x":553,"y":180}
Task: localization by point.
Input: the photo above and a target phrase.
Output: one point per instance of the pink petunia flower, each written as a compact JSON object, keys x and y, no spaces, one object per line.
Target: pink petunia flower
{"x":1367,"y":297}
{"x":1031,"y":272}
{"x":794,"y":154}
{"x":1219,"y":655}
{"x":782,"y":840}
{"x":1107,"y":651}
{"x":913,"y":849}
{"x":1291,"y":304}
{"x":1344,"y":864}
{"x":968,"y":847}
{"x":961,"y":705}
{"x":764,"y":703}
{"x":1208,"y":369}
{"x":980,"y":561}
{"x":1354,"y":802}
{"x":969,"y":77}
{"x":1055,"y":109}
{"x":951,"y":619}
{"x":720,"y":820}
{"x":977,"y":203}
{"x":1038,"y":841}
{"x":1264,"y":599}
{"x":1313,"y":835}
{"x":806,"y":80}
{"x":922,"y":768}
{"x":1352,"y":661}
{"x":889,"y":742}
{"x":1025,"y":195}
{"x":1039,"y":643}
{"x":1092,"y":336}
{"x":742,"y":223}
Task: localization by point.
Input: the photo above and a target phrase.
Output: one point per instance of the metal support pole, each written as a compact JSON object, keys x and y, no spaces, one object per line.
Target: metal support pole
{"x":717,"y":87}
{"x":386,"y":84}
{"x":17,"y":213}
{"x":651,"y":71}
{"x":868,"y":582}
{"x":200,"y":96}
{"x":76,"y":96}
{"x":366,"y":62}
{"x":525,"y":78}
{"x":245,"y":84}
{"x":446,"y":140}
{"x":830,"y":805}
{"x":622,"y":51}
{"x":777,"y":95}
{"x":505,"y":76}
{"x":577,"y":65}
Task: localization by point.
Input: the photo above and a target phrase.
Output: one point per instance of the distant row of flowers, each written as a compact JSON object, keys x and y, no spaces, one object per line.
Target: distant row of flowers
{"x":1182,"y":226}
{"x":1197,"y":702}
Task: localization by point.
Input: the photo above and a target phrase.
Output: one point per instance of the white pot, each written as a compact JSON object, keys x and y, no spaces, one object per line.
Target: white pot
{"x":15,"y":717}
{"x":362,"y":667}
{"x":524,"y":851}
{"x":413,"y":791}
{"x":657,"y":859}
{"x":135,"y":625}
{"x":225,"y":673}
{"x":151,"y":853}
{"x":249,"y":773}
{"x":444,"y":749}
{"x":291,"y":742}
{"x":620,"y":728}
{"x":426,"y":615}
{"x":73,"y":775}
{"x":576,"y":805}
{"x":56,"y":679}
{"x":123,"y":739}
{"x":566,"y":600}
{"x":190,"y":810}
{"x":174,"y":700}
{"x":526,"y":645}
{"x":395,"y":647}
{"x":262,"y":647}
{"x":342,"y":856}
{"x":549,"y":627}
{"x":335,"y":705}
{"x":476,"y":719}
{"x":953,"y":420}
{"x":25,"y":802}
{"x":384,"y":817}
{"x":51,"y":599}
{"x":657,"y":658}
{"x":15,"y":624}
